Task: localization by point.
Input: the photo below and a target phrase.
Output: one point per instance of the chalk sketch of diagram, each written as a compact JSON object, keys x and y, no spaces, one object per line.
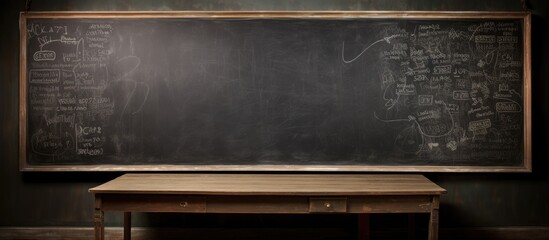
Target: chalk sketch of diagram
{"x":131,"y":95}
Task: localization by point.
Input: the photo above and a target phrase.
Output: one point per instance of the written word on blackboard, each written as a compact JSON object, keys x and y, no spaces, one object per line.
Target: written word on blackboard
{"x":358,"y":92}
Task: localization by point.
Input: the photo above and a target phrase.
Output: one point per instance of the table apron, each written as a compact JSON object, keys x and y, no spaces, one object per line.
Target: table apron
{"x":267,"y":204}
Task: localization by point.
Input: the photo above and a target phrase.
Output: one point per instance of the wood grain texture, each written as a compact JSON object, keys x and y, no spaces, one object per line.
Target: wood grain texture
{"x":393,"y":204}
{"x":153,"y":203}
{"x":268,"y":193}
{"x":278,"y":14}
{"x":271,"y":184}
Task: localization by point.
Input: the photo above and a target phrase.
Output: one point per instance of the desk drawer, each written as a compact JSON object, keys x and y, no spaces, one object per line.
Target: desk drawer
{"x":328,"y":205}
{"x":154,"y":203}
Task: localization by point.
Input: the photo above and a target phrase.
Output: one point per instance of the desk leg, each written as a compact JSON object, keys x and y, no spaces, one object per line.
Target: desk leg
{"x":433,"y":220}
{"x":363,"y":226}
{"x":127,"y":225}
{"x":99,"y":225}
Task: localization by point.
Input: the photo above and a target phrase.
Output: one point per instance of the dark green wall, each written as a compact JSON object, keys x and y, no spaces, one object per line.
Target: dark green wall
{"x":473,"y":200}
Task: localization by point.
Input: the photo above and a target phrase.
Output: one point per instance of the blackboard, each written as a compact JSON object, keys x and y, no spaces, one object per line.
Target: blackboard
{"x":321,"y":91}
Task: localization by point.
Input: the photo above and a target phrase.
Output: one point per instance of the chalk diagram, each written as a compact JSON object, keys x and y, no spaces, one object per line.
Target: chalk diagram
{"x":446,"y":89}
{"x":69,"y":79}
{"x":414,"y":136}
{"x":58,"y":106}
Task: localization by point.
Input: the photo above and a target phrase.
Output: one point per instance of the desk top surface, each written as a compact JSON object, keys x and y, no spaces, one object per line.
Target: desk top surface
{"x":271,"y":184}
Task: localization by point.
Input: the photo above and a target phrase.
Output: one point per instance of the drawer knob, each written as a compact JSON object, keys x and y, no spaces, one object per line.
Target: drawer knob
{"x":183,"y":204}
{"x":328,"y":205}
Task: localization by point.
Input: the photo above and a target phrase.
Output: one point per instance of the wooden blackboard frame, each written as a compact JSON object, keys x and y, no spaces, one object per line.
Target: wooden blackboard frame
{"x":527,"y":135}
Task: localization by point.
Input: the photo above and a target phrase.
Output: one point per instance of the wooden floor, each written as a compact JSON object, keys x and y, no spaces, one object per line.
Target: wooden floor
{"x":139,"y":233}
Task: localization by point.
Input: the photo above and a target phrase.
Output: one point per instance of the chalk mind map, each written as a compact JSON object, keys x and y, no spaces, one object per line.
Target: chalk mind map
{"x":450,"y":88}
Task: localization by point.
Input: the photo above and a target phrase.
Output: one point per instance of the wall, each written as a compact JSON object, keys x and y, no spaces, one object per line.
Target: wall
{"x":474,"y":202}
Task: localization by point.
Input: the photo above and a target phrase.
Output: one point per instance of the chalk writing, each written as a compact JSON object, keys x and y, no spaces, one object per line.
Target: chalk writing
{"x":275,"y":91}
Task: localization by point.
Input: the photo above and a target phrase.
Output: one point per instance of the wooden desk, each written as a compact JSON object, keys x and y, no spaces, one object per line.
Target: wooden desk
{"x":266,"y":193}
